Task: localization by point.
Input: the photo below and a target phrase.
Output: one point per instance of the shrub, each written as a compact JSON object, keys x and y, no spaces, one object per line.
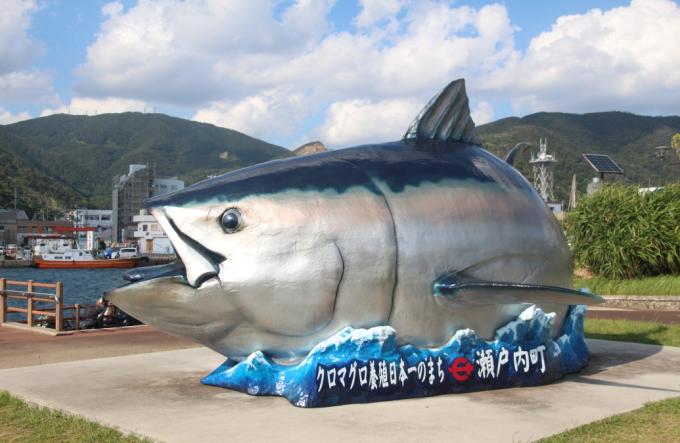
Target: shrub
{"x":618,"y":233}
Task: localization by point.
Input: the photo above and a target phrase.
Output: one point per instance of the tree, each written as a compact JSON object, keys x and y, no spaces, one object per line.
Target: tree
{"x":675,"y":143}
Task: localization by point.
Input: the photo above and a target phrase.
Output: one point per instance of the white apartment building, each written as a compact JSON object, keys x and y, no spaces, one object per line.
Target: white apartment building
{"x":149,"y":235}
{"x":100,"y":219}
{"x":93,"y":218}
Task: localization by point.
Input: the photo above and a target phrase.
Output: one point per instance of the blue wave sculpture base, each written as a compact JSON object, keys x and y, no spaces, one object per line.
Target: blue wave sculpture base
{"x":366,"y":365}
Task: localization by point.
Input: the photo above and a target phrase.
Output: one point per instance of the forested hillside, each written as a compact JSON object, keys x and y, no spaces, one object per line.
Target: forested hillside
{"x":86,"y":152}
{"x":630,"y":139}
{"x":62,"y":161}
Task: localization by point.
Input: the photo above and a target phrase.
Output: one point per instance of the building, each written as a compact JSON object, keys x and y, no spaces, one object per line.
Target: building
{"x":8,"y":225}
{"x":129,"y":193}
{"x":150,"y":236}
{"x":99,"y":219}
{"x":92,"y":218}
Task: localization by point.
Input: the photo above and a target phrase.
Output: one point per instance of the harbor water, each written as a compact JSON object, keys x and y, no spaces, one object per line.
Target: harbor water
{"x":83,"y":286}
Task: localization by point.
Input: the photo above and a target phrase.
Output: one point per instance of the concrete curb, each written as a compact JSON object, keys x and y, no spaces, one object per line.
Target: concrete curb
{"x":652,"y":302}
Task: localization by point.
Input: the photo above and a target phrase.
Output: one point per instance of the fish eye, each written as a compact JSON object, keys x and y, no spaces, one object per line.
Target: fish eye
{"x":231,"y":220}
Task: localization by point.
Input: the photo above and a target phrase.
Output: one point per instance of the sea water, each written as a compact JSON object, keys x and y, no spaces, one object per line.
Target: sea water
{"x":83,"y":286}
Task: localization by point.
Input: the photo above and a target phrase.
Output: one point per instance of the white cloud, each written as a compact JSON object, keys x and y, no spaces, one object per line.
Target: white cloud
{"x":626,"y":58}
{"x":6,"y":117}
{"x":170,"y":52}
{"x":237,"y":65}
{"x":19,"y":80}
{"x":482,"y":113}
{"x":266,"y":114}
{"x":356,"y":121}
{"x":27,"y":86}
{"x":376,"y":11}
{"x":17,"y":49}
{"x":267,"y":72}
{"x":94,"y":106}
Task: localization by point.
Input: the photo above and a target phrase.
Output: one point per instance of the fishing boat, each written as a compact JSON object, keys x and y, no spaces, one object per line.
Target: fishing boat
{"x":80,"y":259}
{"x":65,"y":253}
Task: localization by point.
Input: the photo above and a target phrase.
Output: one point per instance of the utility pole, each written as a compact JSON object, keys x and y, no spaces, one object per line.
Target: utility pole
{"x":572,"y":194}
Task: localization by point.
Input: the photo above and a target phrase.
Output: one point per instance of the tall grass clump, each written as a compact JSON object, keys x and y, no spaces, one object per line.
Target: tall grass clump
{"x":618,"y":233}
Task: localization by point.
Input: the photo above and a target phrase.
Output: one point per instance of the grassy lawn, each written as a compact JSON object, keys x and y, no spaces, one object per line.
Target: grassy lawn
{"x":633,"y":331}
{"x":660,"y":285}
{"x":658,"y":421}
{"x":20,"y":422}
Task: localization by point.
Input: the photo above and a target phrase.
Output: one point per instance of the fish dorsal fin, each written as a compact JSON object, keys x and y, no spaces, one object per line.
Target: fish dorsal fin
{"x":445,"y":118}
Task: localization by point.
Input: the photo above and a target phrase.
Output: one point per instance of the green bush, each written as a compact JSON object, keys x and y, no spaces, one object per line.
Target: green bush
{"x":618,"y":233}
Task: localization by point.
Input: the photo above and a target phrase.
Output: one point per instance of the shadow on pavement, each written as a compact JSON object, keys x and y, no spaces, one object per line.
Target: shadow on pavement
{"x":611,"y":363}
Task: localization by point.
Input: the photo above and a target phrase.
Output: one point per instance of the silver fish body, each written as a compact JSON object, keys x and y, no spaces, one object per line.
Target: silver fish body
{"x":356,"y":237}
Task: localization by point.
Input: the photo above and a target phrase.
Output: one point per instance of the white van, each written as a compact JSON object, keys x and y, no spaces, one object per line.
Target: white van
{"x":125,"y":253}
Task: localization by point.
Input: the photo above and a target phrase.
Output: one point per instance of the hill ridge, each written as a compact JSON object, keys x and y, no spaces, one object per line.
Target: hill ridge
{"x":629,"y":138}
{"x":86,"y":152}
{"x":73,"y":158}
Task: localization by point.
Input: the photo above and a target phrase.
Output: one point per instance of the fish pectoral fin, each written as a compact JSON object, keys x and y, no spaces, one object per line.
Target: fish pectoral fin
{"x":452,"y":288}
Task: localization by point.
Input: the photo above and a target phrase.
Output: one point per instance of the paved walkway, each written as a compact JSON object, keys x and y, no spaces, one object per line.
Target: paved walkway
{"x":159,"y":395}
{"x":20,"y":347}
{"x":648,"y":315}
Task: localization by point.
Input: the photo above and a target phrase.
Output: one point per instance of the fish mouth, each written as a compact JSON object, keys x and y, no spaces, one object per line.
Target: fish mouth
{"x":195,"y":264}
{"x":200,"y":263}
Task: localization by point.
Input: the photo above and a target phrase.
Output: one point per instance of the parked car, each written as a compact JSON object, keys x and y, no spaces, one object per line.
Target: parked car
{"x":124,"y":253}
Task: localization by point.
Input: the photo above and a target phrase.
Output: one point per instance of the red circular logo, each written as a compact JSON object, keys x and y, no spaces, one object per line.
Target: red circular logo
{"x":461,"y":369}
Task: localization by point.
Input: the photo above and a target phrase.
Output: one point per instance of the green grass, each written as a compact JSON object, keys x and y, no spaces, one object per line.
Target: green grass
{"x":660,"y":285}
{"x":20,"y":422}
{"x":633,"y":331}
{"x":658,"y":421}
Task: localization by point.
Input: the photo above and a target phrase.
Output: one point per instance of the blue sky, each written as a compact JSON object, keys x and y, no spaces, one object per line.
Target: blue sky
{"x":344,"y":72}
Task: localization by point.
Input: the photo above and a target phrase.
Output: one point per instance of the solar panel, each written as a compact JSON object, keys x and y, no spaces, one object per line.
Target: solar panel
{"x":603,"y":164}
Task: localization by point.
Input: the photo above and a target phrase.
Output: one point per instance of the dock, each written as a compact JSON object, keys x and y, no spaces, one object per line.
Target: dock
{"x":15,"y":263}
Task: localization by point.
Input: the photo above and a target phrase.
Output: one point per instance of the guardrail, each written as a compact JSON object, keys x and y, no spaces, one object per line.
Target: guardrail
{"x":33,"y":300}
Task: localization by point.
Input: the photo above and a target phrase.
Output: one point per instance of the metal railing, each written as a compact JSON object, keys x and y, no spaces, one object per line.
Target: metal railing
{"x":33,"y":298}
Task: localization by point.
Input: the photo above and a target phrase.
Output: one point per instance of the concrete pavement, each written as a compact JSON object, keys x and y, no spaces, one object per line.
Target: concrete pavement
{"x":159,"y":395}
{"x":643,"y":315}
{"x":22,"y":347}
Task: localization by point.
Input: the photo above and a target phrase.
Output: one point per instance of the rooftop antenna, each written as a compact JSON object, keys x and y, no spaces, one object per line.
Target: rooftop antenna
{"x":542,"y":165}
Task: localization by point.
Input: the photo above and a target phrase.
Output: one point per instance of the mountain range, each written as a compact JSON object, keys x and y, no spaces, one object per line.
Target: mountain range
{"x":76,"y":157}
{"x":64,"y":161}
{"x":628,"y":138}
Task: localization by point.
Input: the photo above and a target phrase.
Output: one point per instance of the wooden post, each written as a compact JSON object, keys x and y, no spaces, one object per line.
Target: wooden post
{"x":29,"y":314}
{"x":77,"y":317}
{"x":59,"y":309}
{"x":3,"y":301}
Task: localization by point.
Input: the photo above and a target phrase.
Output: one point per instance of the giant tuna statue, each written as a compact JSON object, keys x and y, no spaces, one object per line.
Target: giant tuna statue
{"x":400,"y":269}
